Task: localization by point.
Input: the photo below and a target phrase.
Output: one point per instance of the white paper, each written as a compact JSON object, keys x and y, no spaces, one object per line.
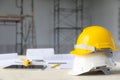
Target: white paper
{"x":6,"y":56}
{"x":8,"y":59}
{"x":39,"y":54}
{"x":6,"y":63}
{"x":66,"y":60}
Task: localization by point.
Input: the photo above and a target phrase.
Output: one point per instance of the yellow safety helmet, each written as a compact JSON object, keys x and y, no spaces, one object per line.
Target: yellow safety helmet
{"x":94,"y":38}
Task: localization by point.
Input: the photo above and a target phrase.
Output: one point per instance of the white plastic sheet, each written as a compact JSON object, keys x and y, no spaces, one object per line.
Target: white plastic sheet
{"x":8,"y":59}
{"x":39,"y":53}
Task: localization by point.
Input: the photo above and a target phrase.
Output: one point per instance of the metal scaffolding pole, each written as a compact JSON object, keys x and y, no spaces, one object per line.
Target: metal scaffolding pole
{"x":22,"y":36}
{"x":33,"y":26}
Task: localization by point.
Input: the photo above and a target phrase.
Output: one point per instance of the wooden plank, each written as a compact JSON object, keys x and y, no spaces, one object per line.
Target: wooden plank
{"x":11,"y":18}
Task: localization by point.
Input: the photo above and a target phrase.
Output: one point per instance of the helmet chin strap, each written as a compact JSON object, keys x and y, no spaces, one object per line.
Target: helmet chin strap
{"x":86,"y":47}
{"x":107,"y":51}
{"x":83,"y":46}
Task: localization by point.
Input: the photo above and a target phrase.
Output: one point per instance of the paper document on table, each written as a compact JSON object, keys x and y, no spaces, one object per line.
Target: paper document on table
{"x":66,"y":60}
{"x":39,"y":54}
{"x":8,"y":59}
{"x":6,"y":63}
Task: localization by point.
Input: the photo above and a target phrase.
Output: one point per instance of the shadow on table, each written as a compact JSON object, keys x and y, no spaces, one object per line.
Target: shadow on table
{"x":94,"y":73}
{"x":115,"y":72}
{"x":112,"y":72}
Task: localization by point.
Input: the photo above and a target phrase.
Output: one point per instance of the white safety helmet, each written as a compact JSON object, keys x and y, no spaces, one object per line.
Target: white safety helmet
{"x":83,"y":64}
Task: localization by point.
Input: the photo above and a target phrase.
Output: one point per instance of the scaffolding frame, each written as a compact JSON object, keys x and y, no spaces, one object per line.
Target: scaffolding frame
{"x":28,"y":40}
{"x":64,"y":40}
{"x":22,"y":35}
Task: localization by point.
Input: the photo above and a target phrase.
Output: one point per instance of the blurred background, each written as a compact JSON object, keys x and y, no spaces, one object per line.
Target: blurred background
{"x":53,"y":23}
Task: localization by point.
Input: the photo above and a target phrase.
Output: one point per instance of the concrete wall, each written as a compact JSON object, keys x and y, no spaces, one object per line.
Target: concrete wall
{"x":44,"y":22}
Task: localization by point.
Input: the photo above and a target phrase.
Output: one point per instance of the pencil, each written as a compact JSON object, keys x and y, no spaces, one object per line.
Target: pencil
{"x":55,"y":65}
